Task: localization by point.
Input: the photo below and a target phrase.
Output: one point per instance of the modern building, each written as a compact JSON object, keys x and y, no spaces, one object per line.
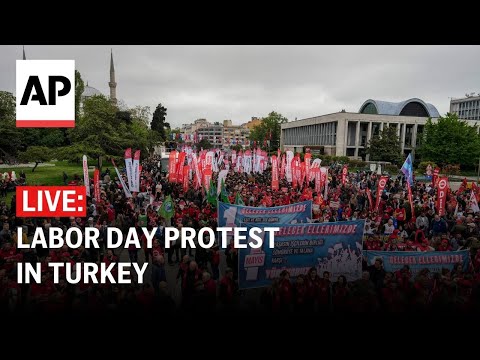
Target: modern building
{"x":234,"y":134}
{"x":213,"y":133}
{"x":467,"y":108}
{"x":347,"y":133}
{"x":219,"y":135}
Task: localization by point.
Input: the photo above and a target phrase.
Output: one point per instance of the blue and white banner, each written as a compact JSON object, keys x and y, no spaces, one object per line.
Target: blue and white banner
{"x":434,"y":261}
{"x":333,"y":247}
{"x":230,"y":215}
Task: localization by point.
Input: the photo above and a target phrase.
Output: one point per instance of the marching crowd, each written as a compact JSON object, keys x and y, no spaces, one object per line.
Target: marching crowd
{"x":207,"y":279}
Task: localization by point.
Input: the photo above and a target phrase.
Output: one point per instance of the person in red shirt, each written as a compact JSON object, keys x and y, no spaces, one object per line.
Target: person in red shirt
{"x":340,"y":294}
{"x":300,"y":294}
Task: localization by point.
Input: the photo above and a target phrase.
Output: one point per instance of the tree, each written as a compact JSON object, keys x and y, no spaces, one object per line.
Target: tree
{"x":36,"y":154}
{"x":103,"y":131}
{"x":269,"y":129}
{"x":158,"y":121}
{"x":204,"y":143}
{"x":10,"y":139}
{"x":79,"y":88}
{"x":385,"y":146}
{"x":236,"y":147}
{"x":450,"y":141}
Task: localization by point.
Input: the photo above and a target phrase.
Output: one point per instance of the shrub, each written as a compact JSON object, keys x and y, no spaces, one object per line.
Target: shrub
{"x":391,"y":169}
{"x":451,"y":169}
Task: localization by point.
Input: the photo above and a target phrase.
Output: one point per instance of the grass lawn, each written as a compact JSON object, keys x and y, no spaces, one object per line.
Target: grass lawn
{"x":48,"y":175}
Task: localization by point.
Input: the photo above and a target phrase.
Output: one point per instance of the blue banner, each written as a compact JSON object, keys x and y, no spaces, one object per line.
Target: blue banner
{"x":230,"y":215}
{"x":434,"y":261}
{"x":334,"y":247}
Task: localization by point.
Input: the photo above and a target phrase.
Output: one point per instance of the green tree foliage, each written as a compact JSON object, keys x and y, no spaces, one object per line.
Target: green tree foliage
{"x":385,"y":146}
{"x":269,"y":129}
{"x":158,"y":121}
{"x":10,"y":140}
{"x":79,"y":88}
{"x":450,"y":141}
{"x":103,"y":131}
{"x":36,"y":154}
{"x":205,"y":144}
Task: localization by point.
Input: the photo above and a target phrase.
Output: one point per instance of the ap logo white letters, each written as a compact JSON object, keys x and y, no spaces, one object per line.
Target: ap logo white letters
{"x":45,"y":93}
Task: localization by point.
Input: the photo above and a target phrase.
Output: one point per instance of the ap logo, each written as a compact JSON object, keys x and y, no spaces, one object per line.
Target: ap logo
{"x":45,"y":93}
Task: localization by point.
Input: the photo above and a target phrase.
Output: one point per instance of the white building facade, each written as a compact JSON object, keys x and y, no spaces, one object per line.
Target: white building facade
{"x":347,"y":134}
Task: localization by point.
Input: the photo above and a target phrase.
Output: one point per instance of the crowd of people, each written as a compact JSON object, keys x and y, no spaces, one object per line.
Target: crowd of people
{"x":206,"y":280}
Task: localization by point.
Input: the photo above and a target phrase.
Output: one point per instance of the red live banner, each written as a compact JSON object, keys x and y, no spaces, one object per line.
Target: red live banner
{"x":442,"y":188}
{"x":51,"y":201}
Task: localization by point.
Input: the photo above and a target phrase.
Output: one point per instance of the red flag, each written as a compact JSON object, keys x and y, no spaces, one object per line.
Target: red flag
{"x":207,"y":176}
{"x":282,"y":167}
{"x":442,"y":188}
{"x":96,"y":181}
{"x":318,"y":181}
{"x":186,"y":170}
{"x":275,"y":182}
{"x":294,"y":173}
{"x":382,"y":182}
{"x":307,"y":159}
{"x":172,"y":170}
{"x":180,"y":164}
{"x":344,"y":174}
{"x":302,"y":174}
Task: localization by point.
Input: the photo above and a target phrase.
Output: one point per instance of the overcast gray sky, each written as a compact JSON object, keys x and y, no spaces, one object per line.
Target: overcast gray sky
{"x":238,"y":82}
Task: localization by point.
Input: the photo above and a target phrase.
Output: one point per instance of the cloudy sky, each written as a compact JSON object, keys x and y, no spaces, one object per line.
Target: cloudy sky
{"x":238,"y":82}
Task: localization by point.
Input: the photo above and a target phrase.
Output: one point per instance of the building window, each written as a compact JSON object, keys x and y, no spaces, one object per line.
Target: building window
{"x":352,"y":127}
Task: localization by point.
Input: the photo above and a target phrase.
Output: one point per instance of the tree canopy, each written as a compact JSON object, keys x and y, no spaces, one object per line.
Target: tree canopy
{"x":36,"y":154}
{"x":269,"y":129}
{"x":450,"y":141}
{"x":385,"y":146}
{"x":158,"y":121}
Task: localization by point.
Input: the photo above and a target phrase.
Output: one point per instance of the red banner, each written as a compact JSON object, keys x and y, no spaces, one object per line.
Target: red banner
{"x":180,"y":164}
{"x":96,"y":184}
{"x":436,"y":171}
{"x":382,"y":182}
{"x":442,"y":188}
{"x":318,"y":181}
{"x":344,"y":174}
{"x":186,"y":170}
{"x":369,"y":195}
{"x":207,"y":176}
{"x":282,"y":168}
{"x":172,"y":171}
{"x":475,"y":191}
{"x":323,"y":177}
{"x":307,"y":159}
{"x":302,"y":174}
{"x":275,"y":182}
{"x":294,"y":173}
